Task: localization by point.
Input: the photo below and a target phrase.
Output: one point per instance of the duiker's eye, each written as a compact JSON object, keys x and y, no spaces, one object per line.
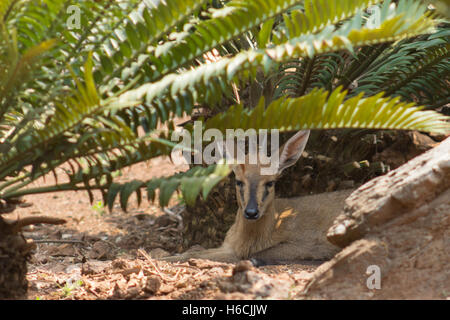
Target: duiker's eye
{"x":269,"y":184}
{"x":239,"y":183}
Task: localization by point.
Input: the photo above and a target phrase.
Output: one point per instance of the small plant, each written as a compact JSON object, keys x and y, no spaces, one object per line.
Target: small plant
{"x":68,"y":288}
{"x":99,"y":207}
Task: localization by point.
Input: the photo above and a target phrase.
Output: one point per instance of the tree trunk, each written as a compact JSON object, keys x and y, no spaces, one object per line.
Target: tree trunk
{"x":14,"y":253}
{"x":208,"y":221}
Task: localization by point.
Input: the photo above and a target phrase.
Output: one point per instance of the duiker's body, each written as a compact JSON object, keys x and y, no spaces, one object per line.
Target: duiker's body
{"x":276,"y":230}
{"x":292,"y":229}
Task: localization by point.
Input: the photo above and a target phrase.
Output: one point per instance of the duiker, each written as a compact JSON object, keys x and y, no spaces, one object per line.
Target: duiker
{"x":272,"y":230}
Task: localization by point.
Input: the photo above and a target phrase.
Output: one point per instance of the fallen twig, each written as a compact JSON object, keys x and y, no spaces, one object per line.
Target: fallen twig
{"x":58,"y":241}
{"x":23,"y":222}
{"x":165,"y":278}
{"x":145,"y":255}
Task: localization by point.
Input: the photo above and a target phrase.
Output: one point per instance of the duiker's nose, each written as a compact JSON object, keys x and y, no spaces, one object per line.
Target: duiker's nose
{"x":251,"y":213}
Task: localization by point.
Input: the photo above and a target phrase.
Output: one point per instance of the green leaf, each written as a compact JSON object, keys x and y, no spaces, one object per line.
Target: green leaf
{"x":264,"y":33}
{"x":323,"y":110}
{"x":167,"y":188}
{"x":127,"y":190}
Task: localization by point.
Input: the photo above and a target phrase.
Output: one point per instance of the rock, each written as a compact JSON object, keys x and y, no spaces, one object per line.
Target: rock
{"x":410,"y":252}
{"x":204,"y":264}
{"x":242,"y":266}
{"x":119,"y":264}
{"x":66,"y":249}
{"x":101,"y":250}
{"x":158,"y":253}
{"x":74,"y":268}
{"x":95,"y":267}
{"x":195,"y":248}
{"x":421,"y":141}
{"x":165,"y":220}
{"x":437,"y":136}
{"x":132,"y":292}
{"x":166,"y":288}
{"x":395,"y":229}
{"x":249,"y":280}
{"x":152,"y":285}
{"x":386,"y":197}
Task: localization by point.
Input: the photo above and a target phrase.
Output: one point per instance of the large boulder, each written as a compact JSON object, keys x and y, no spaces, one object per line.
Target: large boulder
{"x":396,"y":234}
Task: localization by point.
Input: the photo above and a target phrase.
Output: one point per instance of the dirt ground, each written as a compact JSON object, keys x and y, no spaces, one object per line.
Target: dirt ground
{"x":110,"y":255}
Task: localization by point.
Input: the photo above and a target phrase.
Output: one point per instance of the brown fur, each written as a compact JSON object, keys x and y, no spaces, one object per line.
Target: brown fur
{"x":287,"y":229}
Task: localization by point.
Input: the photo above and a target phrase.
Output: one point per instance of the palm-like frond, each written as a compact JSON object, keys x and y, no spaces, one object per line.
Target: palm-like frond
{"x":191,"y":183}
{"x":301,"y":75}
{"x":318,"y":14}
{"x":416,"y":71}
{"x":132,"y":65}
{"x":323,"y":110}
{"x":5,"y":8}
{"x":204,"y":83}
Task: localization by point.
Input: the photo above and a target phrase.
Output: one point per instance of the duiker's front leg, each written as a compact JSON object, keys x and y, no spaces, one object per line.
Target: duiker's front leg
{"x":222,"y":254}
{"x":293,"y":252}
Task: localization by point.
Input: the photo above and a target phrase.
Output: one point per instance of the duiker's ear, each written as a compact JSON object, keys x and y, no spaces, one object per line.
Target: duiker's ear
{"x":238,"y":169}
{"x":291,"y":151}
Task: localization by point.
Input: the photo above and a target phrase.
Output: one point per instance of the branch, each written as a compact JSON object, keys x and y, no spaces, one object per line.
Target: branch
{"x":19,"y":224}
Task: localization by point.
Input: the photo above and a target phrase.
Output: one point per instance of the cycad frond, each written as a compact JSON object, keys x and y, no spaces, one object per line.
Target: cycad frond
{"x":191,"y":183}
{"x":175,"y":92}
{"x":5,"y":8}
{"x":323,"y":110}
{"x":226,"y":23}
{"x":416,"y":71}
{"x":298,"y":77}
{"x":83,"y":102}
{"x":434,"y":65}
{"x":142,"y":37}
{"x":318,"y":14}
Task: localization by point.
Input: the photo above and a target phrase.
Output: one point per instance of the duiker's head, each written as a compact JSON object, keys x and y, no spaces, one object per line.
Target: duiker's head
{"x":255,"y":191}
